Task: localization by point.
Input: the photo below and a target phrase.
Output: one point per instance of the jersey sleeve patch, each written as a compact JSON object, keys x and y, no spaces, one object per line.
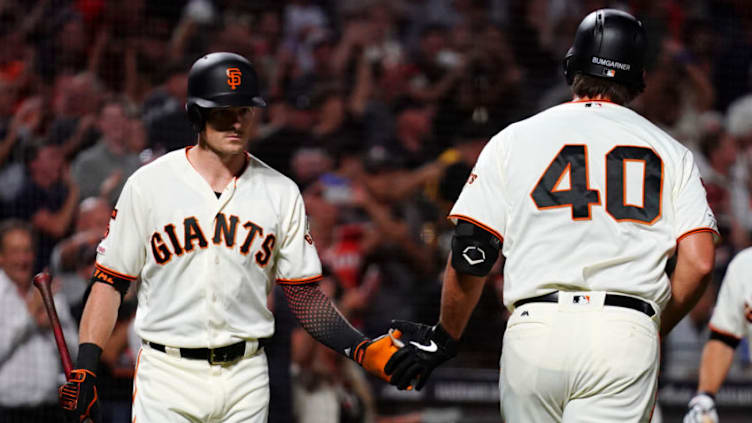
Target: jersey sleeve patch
{"x":299,"y":281}
{"x":476,"y":223}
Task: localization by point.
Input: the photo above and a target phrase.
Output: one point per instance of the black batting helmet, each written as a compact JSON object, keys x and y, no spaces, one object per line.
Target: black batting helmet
{"x":609,"y":44}
{"x":220,"y":80}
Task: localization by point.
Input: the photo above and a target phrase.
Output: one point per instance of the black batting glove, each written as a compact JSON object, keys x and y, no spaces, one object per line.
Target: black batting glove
{"x":78,"y":397}
{"x":425,"y":348}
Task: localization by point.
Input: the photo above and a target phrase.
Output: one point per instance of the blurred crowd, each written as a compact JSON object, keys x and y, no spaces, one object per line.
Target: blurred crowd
{"x":377,"y":109}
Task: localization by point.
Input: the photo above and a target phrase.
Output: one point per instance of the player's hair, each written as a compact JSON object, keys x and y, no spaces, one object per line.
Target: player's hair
{"x":9,"y":225}
{"x":591,"y":86}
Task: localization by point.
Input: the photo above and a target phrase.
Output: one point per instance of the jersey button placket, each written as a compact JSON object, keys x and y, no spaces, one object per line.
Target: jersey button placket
{"x":211,"y":296}
{"x":213,"y":278}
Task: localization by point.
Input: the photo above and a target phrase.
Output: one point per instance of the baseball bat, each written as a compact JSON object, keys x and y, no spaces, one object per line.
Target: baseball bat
{"x":43,"y":282}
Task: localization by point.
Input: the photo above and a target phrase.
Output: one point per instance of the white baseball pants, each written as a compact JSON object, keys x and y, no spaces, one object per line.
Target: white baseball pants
{"x":583,"y":363}
{"x":168,"y":389}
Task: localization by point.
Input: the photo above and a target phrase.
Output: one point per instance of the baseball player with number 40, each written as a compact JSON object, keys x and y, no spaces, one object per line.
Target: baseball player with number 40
{"x":586,"y":201}
{"x":207,"y":230}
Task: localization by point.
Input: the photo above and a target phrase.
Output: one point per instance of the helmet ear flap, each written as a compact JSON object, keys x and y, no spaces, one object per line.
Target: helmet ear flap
{"x":567,"y":71}
{"x":196,"y":117}
{"x":567,"y":66}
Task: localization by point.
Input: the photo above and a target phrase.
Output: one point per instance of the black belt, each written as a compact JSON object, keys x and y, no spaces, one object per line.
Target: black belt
{"x":219,"y":355}
{"x":611,"y":300}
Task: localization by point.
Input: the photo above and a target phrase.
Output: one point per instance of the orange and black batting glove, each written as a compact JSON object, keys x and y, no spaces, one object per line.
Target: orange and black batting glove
{"x":78,"y":397}
{"x":373,"y":354}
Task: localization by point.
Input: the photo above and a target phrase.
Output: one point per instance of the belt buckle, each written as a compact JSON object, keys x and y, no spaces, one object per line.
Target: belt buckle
{"x":218,"y":358}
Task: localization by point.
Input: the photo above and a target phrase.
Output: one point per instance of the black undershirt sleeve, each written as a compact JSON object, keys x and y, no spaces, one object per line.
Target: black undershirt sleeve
{"x":318,"y":316}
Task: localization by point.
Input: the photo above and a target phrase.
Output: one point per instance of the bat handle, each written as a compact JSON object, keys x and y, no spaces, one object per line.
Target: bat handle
{"x":42,"y":282}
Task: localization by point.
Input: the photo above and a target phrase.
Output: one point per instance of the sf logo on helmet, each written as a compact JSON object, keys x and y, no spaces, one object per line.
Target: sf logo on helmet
{"x":233,"y":77}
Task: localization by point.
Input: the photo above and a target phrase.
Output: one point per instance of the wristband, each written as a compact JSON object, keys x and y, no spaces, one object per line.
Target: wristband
{"x":88,"y":357}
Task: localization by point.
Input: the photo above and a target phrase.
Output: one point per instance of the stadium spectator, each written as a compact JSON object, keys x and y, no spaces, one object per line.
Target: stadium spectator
{"x":677,"y":80}
{"x":164,"y":112}
{"x":297,"y":116}
{"x":325,"y":387}
{"x":378,"y":174}
{"x":733,"y":60}
{"x":398,"y":254}
{"x":413,"y":139}
{"x":72,"y":257}
{"x":68,"y":54}
{"x":308,"y":164}
{"x":29,"y":360}
{"x":47,"y":199}
{"x":103,"y":168}
{"x":739,"y":126}
{"x":76,"y":103}
{"x":22,"y":129}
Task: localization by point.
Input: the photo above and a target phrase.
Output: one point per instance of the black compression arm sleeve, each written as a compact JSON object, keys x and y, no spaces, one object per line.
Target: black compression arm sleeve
{"x":318,"y":316}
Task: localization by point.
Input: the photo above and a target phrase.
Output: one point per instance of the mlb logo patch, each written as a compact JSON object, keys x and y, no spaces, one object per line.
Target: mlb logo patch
{"x":609,"y":73}
{"x":581,"y":299}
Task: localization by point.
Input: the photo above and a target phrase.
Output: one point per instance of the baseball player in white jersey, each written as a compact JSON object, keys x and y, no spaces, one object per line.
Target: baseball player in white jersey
{"x":208,"y":230}
{"x":731,"y":321}
{"x":587,"y":201}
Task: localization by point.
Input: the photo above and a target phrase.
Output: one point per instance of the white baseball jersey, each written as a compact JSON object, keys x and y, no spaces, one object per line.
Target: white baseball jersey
{"x":586,"y":196}
{"x":732,"y":314}
{"x":207,"y":264}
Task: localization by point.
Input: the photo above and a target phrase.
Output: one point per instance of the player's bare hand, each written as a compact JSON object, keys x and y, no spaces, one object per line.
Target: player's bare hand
{"x":354,"y":299}
{"x":29,"y":114}
{"x":110,"y":183}
{"x":360,"y":196}
{"x":701,"y":410}
{"x":42,"y":218}
{"x":86,"y":122}
{"x":66,"y":175}
{"x":426,"y":347}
